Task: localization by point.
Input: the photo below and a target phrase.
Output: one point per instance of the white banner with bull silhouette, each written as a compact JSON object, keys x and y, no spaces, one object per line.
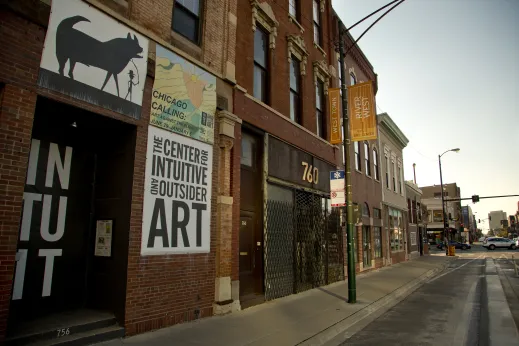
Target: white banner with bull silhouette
{"x":94,"y":58}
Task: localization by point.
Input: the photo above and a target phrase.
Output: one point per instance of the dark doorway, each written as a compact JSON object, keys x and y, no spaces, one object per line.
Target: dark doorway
{"x":80,"y":171}
{"x":251,"y":225}
{"x":366,"y":251}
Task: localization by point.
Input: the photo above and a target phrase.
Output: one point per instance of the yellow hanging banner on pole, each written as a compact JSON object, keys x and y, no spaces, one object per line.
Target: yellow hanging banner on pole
{"x":334,"y":99}
{"x":361,"y":112}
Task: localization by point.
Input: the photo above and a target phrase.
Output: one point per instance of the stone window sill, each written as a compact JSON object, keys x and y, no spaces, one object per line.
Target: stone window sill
{"x":292,"y":19}
{"x":186,"y":45}
{"x":320,"y":49}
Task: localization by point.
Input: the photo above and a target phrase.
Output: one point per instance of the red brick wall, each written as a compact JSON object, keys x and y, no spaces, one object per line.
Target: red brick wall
{"x":279,"y":70}
{"x":161,"y":290}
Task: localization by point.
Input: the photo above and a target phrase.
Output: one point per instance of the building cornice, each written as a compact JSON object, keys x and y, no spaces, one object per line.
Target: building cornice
{"x":392,"y":129}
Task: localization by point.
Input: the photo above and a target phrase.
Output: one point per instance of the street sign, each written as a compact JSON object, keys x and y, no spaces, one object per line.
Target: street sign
{"x":337,"y":188}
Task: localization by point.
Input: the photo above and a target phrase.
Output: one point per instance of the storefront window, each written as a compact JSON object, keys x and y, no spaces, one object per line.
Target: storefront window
{"x":437,"y":216}
{"x":396,"y":230}
{"x":377,"y":235}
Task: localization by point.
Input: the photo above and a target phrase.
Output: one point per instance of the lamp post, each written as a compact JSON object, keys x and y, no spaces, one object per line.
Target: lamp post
{"x":445,"y":221}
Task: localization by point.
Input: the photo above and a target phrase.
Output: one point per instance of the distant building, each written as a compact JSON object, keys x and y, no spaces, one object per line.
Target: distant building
{"x":495,"y":218}
{"x":431,"y":197}
{"x":417,"y":236}
{"x":391,"y":143}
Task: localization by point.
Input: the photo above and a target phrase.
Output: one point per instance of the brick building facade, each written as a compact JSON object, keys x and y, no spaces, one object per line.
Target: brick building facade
{"x":140,"y":292}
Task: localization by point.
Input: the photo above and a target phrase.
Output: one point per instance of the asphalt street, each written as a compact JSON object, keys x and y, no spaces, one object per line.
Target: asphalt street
{"x":453,"y":307}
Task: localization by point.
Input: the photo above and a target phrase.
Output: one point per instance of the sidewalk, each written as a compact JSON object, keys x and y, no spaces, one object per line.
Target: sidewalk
{"x":313,"y":317}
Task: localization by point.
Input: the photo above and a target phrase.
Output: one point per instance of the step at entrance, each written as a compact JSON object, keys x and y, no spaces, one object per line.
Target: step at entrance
{"x":81,"y":327}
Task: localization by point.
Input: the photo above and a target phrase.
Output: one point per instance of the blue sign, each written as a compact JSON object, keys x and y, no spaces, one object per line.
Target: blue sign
{"x":336,"y":175}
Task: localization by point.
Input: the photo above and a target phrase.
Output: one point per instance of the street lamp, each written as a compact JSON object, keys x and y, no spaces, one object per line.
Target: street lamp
{"x":445,"y":221}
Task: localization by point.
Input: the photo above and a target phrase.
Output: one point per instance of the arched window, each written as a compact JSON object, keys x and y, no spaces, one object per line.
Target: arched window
{"x":367,"y":159}
{"x":365,"y":209}
{"x":353,"y":79}
{"x":375,"y":164}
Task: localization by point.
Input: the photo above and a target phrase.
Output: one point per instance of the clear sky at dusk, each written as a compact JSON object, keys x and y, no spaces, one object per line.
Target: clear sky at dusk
{"x":449,"y":77}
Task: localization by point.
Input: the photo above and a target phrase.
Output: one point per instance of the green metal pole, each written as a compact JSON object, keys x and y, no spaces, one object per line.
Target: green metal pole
{"x":352,"y":286}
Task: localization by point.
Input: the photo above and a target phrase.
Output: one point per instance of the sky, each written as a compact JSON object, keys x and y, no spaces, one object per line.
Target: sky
{"x":448,"y":75}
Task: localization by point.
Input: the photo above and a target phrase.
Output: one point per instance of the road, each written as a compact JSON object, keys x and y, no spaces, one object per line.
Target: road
{"x":473,"y":302}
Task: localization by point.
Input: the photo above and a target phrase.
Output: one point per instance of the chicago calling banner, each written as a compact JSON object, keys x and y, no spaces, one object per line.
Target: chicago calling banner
{"x":334,"y":98}
{"x":361,"y":110}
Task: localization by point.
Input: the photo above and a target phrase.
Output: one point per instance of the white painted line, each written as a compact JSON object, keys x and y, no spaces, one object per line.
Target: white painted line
{"x":450,"y":271}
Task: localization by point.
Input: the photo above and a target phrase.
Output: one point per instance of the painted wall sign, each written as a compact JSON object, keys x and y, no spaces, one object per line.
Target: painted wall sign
{"x":39,"y":211}
{"x":296,"y":166}
{"x":177,"y":194}
{"x":94,"y":58}
{"x":183,"y":98}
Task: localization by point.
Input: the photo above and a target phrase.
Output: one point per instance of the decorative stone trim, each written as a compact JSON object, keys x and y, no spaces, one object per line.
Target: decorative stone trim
{"x":262,"y":13}
{"x":332,"y":71}
{"x":226,"y":122}
{"x":321,"y":72}
{"x":320,"y":49}
{"x":292,"y":19}
{"x":297,"y":48}
{"x":322,"y":5}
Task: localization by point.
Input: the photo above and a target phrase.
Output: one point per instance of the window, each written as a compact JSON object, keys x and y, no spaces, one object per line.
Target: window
{"x":437,"y":216}
{"x":353,"y":79}
{"x":319,"y":105}
{"x":395,"y":230}
{"x":356,"y":145}
{"x":261,"y":41}
{"x":419,"y":211}
{"x":413,"y":215}
{"x":248,"y":148}
{"x":409,"y":211}
{"x":293,"y":8}
{"x":375,"y":165}
{"x":295,"y":81}
{"x":439,"y":194}
{"x":376,"y":213}
{"x":387,"y":172}
{"x":377,"y":237}
{"x":186,"y":19}
{"x":367,"y":158}
{"x":394,"y":176}
{"x":317,"y":23}
{"x":401,"y":180}
{"x":365,"y":209}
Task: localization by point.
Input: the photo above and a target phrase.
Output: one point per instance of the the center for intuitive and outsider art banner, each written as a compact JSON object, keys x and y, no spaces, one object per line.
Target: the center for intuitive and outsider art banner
{"x":183,"y":98}
{"x":177,"y":194}
{"x":94,"y":58}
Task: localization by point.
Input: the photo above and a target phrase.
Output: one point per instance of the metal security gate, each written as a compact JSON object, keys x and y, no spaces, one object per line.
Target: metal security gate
{"x":303,"y":244}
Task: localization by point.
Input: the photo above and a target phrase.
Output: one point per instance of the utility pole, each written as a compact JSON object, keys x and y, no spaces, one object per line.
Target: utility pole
{"x":352,"y":286}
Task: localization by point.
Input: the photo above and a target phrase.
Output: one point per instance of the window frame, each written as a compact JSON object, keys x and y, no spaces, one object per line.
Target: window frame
{"x":367,"y":159}
{"x":297,"y":76}
{"x":376,"y":172}
{"x":296,"y":7}
{"x":358,"y":161}
{"x":353,"y":78}
{"x":320,"y":109}
{"x":265,"y":69}
{"x":197,"y":18}
{"x":377,"y":235}
{"x":317,"y":23}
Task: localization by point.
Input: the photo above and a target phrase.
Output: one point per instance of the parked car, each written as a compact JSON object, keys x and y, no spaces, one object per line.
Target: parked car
{"x":459,"y":245}
{"x":482,"y":239}
{"x":499,"y":242}
{"x":456,"y":245}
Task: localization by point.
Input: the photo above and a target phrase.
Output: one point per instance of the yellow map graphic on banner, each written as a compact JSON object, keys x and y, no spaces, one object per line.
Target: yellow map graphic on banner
{"x":183,"y":98}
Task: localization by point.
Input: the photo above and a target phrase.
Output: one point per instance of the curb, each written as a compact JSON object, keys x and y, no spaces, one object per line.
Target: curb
{"x":355,"y":322}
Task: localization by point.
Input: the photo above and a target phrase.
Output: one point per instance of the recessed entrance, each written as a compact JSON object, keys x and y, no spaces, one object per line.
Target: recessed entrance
{"x":73,"y":244}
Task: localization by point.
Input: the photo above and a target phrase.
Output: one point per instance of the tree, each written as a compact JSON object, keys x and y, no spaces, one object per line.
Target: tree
{"x":490,"y":233}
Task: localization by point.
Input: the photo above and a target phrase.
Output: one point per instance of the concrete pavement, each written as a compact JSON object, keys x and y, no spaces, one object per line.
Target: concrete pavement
{"x":465,"y":305}
{"x":310,"y":318}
